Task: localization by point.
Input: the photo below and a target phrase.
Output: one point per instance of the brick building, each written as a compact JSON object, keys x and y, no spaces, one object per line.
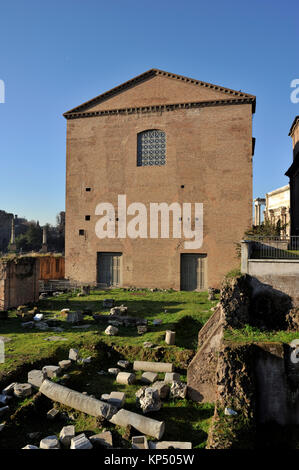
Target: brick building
{"x":159,"y":137}
{"x":293,"y":174}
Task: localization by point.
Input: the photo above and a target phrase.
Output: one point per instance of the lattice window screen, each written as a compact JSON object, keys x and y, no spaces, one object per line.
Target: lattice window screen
{"x":151,"y":148}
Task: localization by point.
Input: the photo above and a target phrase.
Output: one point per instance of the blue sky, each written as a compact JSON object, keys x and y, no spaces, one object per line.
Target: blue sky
{"x":56,"y":55}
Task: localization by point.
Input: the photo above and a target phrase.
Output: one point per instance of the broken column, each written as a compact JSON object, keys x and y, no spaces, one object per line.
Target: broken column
{"x":153,"y":366}
{"x":126,"y":378}
{"x":76,"y":400}
{"x":147,"y":426}
{"x":170,"y":337}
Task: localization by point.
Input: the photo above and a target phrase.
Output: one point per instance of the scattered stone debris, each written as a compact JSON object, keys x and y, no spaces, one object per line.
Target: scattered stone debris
{"x":147,"y":344}
{"x":113,"y":371}
{"x":139,"y":442}
{"x":153,"y":366}
{"x":212,"y":293}
{"x":103,"y":439}
{"x":126,"y":378}
{"x":52,"y":414}
{"x":73,"y":354}
{"x":2,"y":426}
{"x":50,"y":442}
{"x":117,"y":399}
{"x":141,"y":329}
{"x":35,"y":377}
{"x":157,"y":322}
{"x":170,"y":445}
{"x":81,"y":442}
{"x":51,"y":371}
{"x":111,"y":330}
{"x":143,"y":424}
{"x":121,"y":311}
{"x":172,"y":377}
{"x":230,"y":412}
{"x":64,"y":311}
{"x":23,"y":390}
{"x":65,"y":364}
{"x":105,"y":396}
{"x":123,"y":364}
{"x":178,"y":390}
{"x":43,"y":295}
{"x":38,"y":317}
{"x":149,"y":377}
{"x":148,"y":399}
{"x":67,"y":433}
{"x":9,"y":389}
{"x":170,"y":337}
{"x":31,"y":447}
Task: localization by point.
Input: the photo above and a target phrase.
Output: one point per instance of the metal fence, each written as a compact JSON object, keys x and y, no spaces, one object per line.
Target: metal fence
{"x":274,"y":248}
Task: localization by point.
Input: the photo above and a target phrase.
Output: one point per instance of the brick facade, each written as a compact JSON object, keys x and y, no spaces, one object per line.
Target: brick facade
{"x":208,"y":160}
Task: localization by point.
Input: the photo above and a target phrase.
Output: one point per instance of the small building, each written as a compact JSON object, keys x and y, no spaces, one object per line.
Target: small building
{"x":278,"y":208}
{"x":293,"y":174}
{"x":158,"y":139}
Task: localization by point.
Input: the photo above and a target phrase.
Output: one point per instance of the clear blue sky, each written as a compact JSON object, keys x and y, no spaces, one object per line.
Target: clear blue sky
{"x":58,"y":54}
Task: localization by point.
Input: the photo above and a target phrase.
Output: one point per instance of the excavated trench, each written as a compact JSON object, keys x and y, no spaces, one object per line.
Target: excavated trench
{"x":27,"y":421}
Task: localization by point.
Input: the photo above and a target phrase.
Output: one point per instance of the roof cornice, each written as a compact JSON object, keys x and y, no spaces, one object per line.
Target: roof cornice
{"x":159,"y":108}
{"x":146,"y":76}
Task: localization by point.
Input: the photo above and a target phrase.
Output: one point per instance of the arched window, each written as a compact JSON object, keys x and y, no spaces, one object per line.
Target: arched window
{"x":151,"y":148}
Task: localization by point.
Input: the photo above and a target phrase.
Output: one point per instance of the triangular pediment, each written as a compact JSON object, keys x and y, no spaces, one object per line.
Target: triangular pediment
{"x":158,"y":88}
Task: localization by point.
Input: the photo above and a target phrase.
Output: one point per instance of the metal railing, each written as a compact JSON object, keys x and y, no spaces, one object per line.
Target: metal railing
{"x":274,"y":248}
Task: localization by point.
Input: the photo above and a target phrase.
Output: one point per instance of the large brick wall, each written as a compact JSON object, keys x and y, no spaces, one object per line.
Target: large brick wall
{"x":18,"y":281}
{"x":209,"y":152}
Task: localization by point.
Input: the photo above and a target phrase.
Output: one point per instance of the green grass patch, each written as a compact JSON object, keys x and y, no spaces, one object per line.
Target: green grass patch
{"x":250,"y":334}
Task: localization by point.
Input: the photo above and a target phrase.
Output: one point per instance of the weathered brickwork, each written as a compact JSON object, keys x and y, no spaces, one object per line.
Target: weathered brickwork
{"x":209,"y":153}
{"x":18,"y":281}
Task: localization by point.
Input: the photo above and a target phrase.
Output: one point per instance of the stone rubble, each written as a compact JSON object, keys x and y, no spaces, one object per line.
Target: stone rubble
{"x":111,"y":330}
{"x":172,"y":377}
{"x":51,"y":371}
{"x":149,"y":377}
{"x":123,"y":364}
{"x":139,"y":442}
{"x":67,"y":433}
{"x":126,"y":378}
{"x":23,"y":390}
{"x":73,"y":354}
{"x":148,"y":399}
{"x":162,"y":388}
{"x":35,"y":378}
{"x":52,"y":414}
{"x":81,"y":442}
{"x":178,"y":390}
{"x":103,"y":439}
{"x":50,"y":442}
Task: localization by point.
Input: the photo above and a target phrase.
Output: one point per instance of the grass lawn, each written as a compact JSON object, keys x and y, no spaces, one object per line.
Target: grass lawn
{"x":183,"y":312}
{"x":250,"y":334}
{"x":31,"y":345}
